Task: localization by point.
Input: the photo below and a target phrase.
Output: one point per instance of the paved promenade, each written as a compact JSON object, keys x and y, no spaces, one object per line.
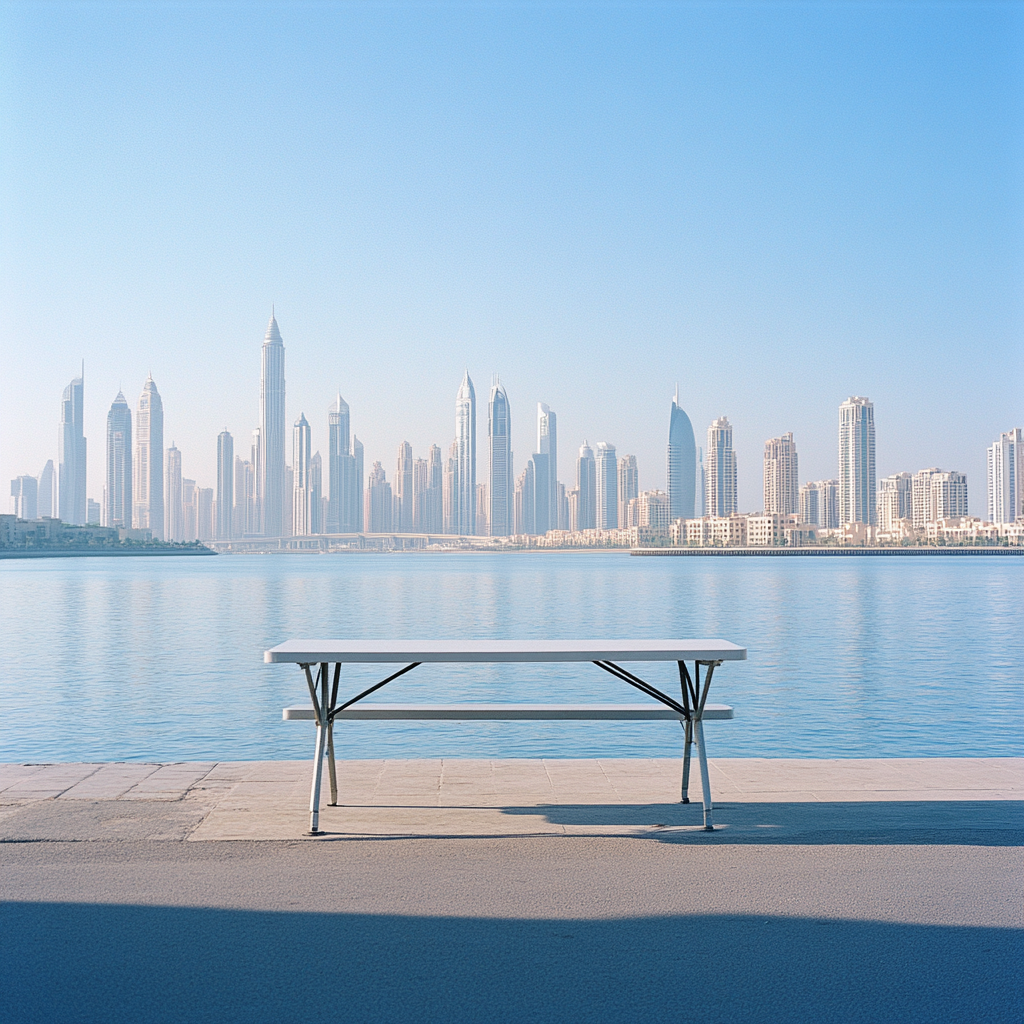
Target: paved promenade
{"x":525,"y":891}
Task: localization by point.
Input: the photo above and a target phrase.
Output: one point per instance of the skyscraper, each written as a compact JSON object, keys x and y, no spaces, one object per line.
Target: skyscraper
{"x":781,"y":478}
{"x":547,"y":444}
{"x":682,"y":463}
{"x":629,"y":487}
{"x":302,"y":453}
{"x":316,"y":494}
{"x":1005,"y":468}
{"x":819,"y":504}
{"x":524,"y":503}
{"x":500,"y":487}
{"x":47,"y":492}
{"x":71,"y":454}
{"x":225,"y":486}
{"x":174,"y":512}
{"x":450,"y":488}
{"x":404,"y":501}
{"x":857,"y":461}
{"x":465,"y":468}
{"x":720,"y":470}
{"x":700,"y":502}
{"x":118,"y":489}
{"x":420,"y":495}
{"x":434,"y":514}
{"x":25,"y":497}
{"x":607,"y":491}
{"x":542,"y":504}
{"x":342,"y":479}
{"x":379,"y":502}
{"x":895,"y":500}
{"x":586,"y":489}
{"x":148,"y":477}
{"x":270,"y":470}
{"x":921,"y":504}
{"x":241,"y":520}
{"x":356,"y":499}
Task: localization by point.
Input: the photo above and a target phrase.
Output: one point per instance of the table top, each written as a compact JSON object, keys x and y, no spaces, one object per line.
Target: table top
{"x":396,"y":651}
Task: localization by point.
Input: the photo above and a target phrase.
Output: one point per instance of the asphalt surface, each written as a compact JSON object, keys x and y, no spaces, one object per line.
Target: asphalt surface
{"x":530,"y":929}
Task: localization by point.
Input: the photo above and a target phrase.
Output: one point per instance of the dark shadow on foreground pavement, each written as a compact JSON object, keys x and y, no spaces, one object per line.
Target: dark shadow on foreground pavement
{"x":90,"y":962}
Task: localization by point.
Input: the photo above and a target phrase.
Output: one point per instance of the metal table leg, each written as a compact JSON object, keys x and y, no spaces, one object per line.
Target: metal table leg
{"x":320,"y":710}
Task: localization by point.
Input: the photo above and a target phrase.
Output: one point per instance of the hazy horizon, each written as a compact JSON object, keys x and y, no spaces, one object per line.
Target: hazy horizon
{"x":777,"y":207}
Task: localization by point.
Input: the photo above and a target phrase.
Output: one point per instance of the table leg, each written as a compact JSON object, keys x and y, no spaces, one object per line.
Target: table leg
{"x":331,"y":768}
{"x":705,"y":780}
{"x":687,"y":746}
{"x":320,"y":710}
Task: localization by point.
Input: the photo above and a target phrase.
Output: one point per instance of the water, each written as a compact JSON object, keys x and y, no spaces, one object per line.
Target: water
{"x":161,"y":659}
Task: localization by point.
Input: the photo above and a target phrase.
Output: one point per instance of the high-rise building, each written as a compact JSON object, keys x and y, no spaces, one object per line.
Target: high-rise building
{"x":483,"y":511}
{"x":204,"y":512}
{"x":225,"y":486}
{"x":317,"y":510}
{"x":189,"y":510}
{"x":499,"y":450}
{"x":92,"y":513}
{"x":420,"y":495}
{"x":586,"y":489}
{"x":607,"y":490}
{"x":341,"y":474}
{"x":241,"y":516}
{"x":270,"y":470}
{"x":895,"y":500}
{"x":525,"y":502}
{"x":25,"y":497}
{"x":719,"y":470}
{"x":117,"y":494}
{"x":289,"y":489}
{"x":148,"y":476}
{"x":450,"y":488}
{"x":562,"y":504}
{"x":781,"y":476}
{"x":302,"y":453}
{"x":1005,"y":465}
{"x":682,"y":463}
{"x":47,"y":501}
{"x":949,"y":495}
{"x":465,"y":440}
{"x":404,"y":498}
{"x":819,"y":504}
{"x":921,"y":503}
{"x":379,"y":502}
{"x":71,"y":454}
{"x":356,"y":501}
{"x":857,"y":461}
{"x":629,"y":487}
{"x":174,"y":512}
{"x":256,"y":458}
{"x":547,"y":444}
{"x":572,"y":509}
{"x":542,"y":503}
{"x":700,"y":498}
{"x":654,"y":510}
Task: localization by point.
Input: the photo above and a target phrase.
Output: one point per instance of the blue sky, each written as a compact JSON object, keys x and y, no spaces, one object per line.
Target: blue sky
{"x":776,"y":205}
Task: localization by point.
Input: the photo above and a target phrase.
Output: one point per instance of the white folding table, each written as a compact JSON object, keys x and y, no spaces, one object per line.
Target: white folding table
{"x":320,"y":655}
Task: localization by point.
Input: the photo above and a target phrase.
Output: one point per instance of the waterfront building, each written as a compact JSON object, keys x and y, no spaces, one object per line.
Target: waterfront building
{"x":379,"y":513}
{"x":1005,"y":470}
{"x":922,"y":507}
{"x":356,"y":506}
{"x":499,"y":482}
{"x":682,"y":462}
{"x":302,"y":453}
{"x":948,"y":496}
{"x":857,"y":462}
{"x":895,"y":501}
{"x":542,"y":503}
{"x":148,"y":474}
{"x":92,"y":512}
{"x":562,"y":505}
{"x":189,"y":510}
{"x":586,"y":489}
{"x":420,"y":489}
{"x":606,"y":494}
{"x":465,"y":468}
{"x":174,"y":512}
{"x":225,"y":486}
{"x":342,"y":478}
{"x":241,"y":514}
{"x":781,"y":476}
{"x":204,"y":513}
{"x":525,"y":501}
{"x":629,"y":488}
{"x":450,"y":498}
{"x":404,"y":504}
{"x":256,"y":458}
{"x":47,"y":493}
{"x":483,"y":511}
{"x":71,"y":455}
{"x":547,"y":444}
{"x":819,"y":504}
{"x":434,"y":504}
{"x":25,"y":497}
{"x":117,"y":492}
{"x":289,"y":485}
{"x":700,"y":502}
{"x":317,"y":511}
{"x":275,"y":496}
{"x":654,"y":510}
{"x":572,"y":509}
{"x":720,"y":470}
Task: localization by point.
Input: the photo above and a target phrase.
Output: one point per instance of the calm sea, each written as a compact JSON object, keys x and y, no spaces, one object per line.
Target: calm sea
{"x":161,"y":659}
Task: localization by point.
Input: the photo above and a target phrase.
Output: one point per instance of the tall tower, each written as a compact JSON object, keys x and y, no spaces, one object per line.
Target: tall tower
{"x":46,"y":493}
{"x":71,"y":450}
{"x":465,"y":440}
{"x":149,"y":461}
{"x":607,"y":492}
{"x":781,"y":479}
{"x":270,"y":471}
{"x":547,"y":444}
{"x":586,"y":489}
{"x":682,"y":463}
{"x":118,"y":491}
{"x":1005,"y":469}
{"x":302,"y":492}
{"x":629,"y":487}
{"x":720,"y":470}
{"x":340,"y":470}
{"x":174,"y":521}
{"x":501,"y":492}
{"x":404,"y":500}
{"x":857,"y":461}
{"x":225,"y":486}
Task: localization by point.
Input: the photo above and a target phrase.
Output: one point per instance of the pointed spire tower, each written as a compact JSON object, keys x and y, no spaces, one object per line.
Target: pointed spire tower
{"x":270,"y":473}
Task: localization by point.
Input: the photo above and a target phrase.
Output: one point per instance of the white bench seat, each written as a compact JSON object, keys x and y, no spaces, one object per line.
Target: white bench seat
{"x":508,"y":713}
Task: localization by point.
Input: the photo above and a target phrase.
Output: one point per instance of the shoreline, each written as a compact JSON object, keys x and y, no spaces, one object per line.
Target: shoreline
{"x":828,"y":551}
